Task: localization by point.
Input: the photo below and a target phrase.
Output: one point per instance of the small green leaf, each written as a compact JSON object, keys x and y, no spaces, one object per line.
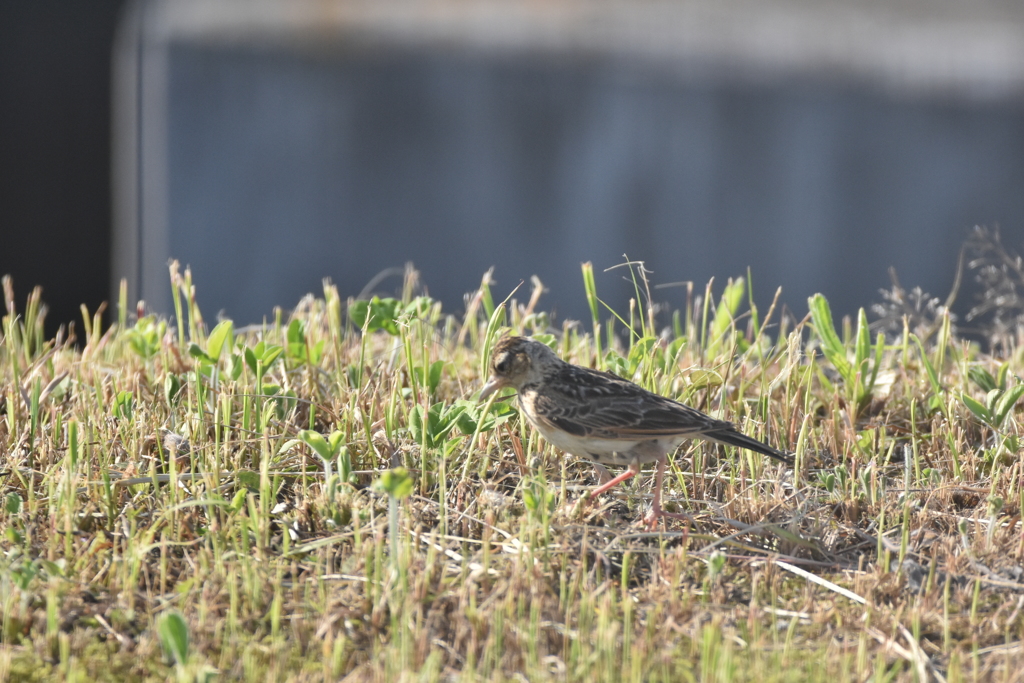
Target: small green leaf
{"x":991,"y":398}
{"x":416,"y":421}
{"x":295,"y":333}
{"x":831,"y":345}
{"x":728,"y":306}
{"x":982,"y":378}
{"x":262,"y":353}
{"x":419,"y":308}
{"x":866,"y":439}
{"x":238,"y":502}
{"x":616,"y":364}
{"x":704,"y":378}
{"x":296,"y":337}
{"x":862,"y":348}
{"x":249,"y":479}
{"x":269,"y":353}
{"x":222,"y":336}
{"x":146,"y":336}
{"x":641,"y":350}
{"x":396,"y":482}
{"x":466,"y":422}
{"x":53,"y":568}
{"x":995,"y":505}
{"x":1004,"y":370}
{"x":250,"y":358}
{"x":933,"y":376}
{"x":345,"y":465}
{"x":879,"y":350}
{"x":124,"y":404}
{"x":500,"y":413}
{"x":376,"y":314}
{"x":1006,"y":403}
{"x":434,"y":379}
{"x":172,"y":388}
{"x":174,"y":636}
{"x":977,"y":408}
{"x":529,"y":500}
{"x":233,"y":366}
{"x":716,"y":563}
{"x":196,"y":352}
{"x":335,"y":441}
{"x":318,"y":443}
{"x":357,"y":312}
{"x":13,"y":503}
{"x":316,"y":353}
{"x":548,"y":340}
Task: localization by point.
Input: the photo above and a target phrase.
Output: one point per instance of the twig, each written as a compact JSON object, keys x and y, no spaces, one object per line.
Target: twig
{"x":824,"y":583}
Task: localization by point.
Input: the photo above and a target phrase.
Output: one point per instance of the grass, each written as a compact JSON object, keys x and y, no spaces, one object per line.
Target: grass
{"x":321,"y":497}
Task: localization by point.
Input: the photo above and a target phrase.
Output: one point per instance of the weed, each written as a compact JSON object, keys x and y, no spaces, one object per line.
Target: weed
{"x":322,"y":496}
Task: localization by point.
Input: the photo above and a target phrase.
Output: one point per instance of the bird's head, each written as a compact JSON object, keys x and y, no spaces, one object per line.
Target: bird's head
{"x":516,"y":361}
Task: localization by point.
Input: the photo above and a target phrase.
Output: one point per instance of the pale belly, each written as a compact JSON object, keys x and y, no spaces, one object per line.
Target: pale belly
{"x":610,"y":451}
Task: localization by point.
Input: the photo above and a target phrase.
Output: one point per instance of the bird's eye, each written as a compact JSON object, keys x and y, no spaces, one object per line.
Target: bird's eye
{"x":503,"y":365}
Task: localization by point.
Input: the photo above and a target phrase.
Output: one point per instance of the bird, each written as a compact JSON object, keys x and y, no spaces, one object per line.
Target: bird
{"x":604,"y":418}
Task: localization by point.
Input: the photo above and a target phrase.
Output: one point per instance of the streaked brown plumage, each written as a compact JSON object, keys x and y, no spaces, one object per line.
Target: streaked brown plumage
{"x":602,"y":417}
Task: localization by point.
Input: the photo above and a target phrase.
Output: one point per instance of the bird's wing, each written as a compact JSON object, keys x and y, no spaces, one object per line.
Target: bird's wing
{"x":585,"y":402}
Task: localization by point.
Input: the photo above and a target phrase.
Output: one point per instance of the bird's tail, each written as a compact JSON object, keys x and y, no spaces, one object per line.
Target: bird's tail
{"x":733,"y":438}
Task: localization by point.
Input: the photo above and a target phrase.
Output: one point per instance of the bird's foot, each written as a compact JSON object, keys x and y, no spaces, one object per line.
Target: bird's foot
{"x":651,"y":518}
{"x":588,"y":508}
{"x":578,"y":510}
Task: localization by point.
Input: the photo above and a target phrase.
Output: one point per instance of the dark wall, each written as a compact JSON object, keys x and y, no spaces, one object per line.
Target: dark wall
{"x":285,"y":166}
{"x":55,"y":150}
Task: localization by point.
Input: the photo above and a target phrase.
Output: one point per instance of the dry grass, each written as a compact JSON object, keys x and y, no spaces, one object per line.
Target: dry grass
{"x":892,"y":552}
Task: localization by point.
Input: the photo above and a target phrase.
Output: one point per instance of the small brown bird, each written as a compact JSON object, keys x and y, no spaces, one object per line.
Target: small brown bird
{"x":601,"y":417}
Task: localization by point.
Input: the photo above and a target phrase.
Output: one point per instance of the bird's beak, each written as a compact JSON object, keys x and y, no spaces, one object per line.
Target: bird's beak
{"x":492,"y":385}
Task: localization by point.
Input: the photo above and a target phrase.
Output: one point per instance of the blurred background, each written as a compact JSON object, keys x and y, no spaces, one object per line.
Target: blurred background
{"x":271,"y":144}
{"x":56,"y":226}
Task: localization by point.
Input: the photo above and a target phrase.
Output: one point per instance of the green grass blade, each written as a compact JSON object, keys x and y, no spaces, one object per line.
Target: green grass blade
{"x":831,"y":345}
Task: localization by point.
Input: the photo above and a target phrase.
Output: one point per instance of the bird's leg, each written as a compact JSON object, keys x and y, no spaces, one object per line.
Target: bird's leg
{"x":656,"y":513}
{"x":631,"y":471}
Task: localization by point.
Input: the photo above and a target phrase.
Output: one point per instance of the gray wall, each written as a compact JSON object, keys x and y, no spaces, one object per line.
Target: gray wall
{"x":280,"y":162}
